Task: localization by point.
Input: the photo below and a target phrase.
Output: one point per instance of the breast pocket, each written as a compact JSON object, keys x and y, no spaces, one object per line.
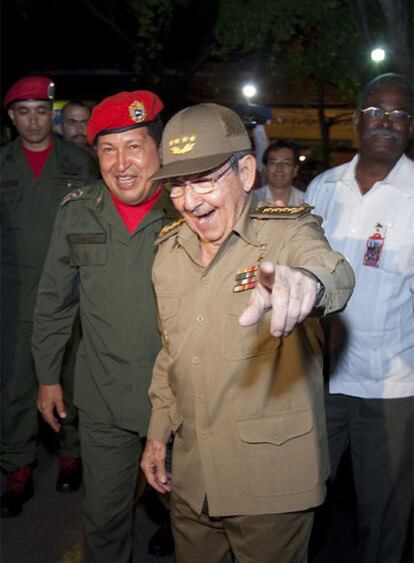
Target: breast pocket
{"x":11,"y":191}
{"x":241,"y":342}
{"x":88,"y":249}
{"x":398,"y":254}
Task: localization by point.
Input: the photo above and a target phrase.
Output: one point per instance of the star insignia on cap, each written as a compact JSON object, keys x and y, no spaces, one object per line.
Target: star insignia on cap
{"x":137,"y":111}
{"x":182,"y":145}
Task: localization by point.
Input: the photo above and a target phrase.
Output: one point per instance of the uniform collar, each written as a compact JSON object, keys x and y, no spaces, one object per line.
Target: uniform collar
{"x":400,"y":177}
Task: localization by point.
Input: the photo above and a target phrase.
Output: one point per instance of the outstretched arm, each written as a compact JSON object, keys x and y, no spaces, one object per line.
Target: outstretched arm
{"x":291,"y":294}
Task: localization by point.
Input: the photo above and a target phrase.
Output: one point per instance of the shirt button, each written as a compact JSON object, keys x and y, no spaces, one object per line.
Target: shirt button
{"x":200,"y":318}
{"x":196,"y":360}
{"x":204,"y":280}
{"x":204,"y":435}
{"x":200,"y":398}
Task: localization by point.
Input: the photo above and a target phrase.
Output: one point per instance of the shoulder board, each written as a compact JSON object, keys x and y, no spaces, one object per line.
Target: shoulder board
{"x":273,"y":212}
{"x":80,"y":193}
{"x":169,"y":230}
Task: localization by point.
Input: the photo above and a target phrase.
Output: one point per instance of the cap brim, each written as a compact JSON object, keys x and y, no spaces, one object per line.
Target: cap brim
{"x":192,"y":166}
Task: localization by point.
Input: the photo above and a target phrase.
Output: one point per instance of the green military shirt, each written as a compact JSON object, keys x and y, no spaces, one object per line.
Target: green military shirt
{"x":246,"y":407}
{"x":96,"y":265}
{"x":28,"y":210}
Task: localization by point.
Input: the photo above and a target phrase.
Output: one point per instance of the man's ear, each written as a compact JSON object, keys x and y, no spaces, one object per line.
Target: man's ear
{"x":355,"y":119}
{"x":10,"y":112}
{"x":247,"y":172}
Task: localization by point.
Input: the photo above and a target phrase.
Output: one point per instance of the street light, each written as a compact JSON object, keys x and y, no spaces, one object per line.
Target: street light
{"x":249,"y":90}
{"x":378,"y":55}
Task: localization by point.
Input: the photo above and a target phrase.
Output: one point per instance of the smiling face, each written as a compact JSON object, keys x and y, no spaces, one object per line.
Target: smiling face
{"x":127,"y":160}
{"x":384,"y":140}
{"x":33,"y":121}
{"x":213,"y":215}
{"x":280,"y":168}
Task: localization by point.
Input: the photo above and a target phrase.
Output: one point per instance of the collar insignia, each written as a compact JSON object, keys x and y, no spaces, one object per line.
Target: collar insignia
{"x":182,"y":145}
{"x":245,"y":278}
{"x":137,"y":112}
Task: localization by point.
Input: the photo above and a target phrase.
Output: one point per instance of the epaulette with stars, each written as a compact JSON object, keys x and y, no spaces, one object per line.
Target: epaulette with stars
{"x":169,"y":230}
{"x":274,"y":212}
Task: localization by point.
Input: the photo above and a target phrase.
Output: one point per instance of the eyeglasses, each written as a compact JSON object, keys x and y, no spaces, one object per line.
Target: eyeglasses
{"x":378,"y":114}
{"x":201,"y":186}
{"x":284,"y":163}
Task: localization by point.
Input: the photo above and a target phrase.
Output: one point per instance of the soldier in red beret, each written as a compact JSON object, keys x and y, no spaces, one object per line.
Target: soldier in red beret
{"x":99,"y":263}
{"x":37,"y":170}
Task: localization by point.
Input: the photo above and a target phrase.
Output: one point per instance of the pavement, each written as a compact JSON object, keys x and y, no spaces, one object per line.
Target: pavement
{"x":49,"y":529}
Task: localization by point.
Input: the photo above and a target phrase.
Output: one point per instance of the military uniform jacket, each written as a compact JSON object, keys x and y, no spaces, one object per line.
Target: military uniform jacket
{"x":95,"y":264}
{"x":246,"y":408}
{"x":28,"y":211}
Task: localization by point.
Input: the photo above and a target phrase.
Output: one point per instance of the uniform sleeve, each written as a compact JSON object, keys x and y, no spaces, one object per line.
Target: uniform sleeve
{"x":162,"y":399}
{"x":306,"y":247}
{"x":160,"y":392}
{"x":56,"y":307}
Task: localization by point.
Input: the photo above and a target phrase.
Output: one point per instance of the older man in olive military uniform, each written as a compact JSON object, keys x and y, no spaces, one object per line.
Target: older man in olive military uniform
{"x":239,"y":377}
{"x":99,"y":263}
{"x":37,"y":170}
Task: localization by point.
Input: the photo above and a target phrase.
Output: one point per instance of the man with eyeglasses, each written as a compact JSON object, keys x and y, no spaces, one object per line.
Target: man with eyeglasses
{"x":281,"y":166}
{"x":368,"y":211}
{"x":238,"y":379}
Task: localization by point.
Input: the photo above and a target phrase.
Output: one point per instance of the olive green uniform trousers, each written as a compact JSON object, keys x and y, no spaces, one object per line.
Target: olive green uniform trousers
{"x":97,"y":268}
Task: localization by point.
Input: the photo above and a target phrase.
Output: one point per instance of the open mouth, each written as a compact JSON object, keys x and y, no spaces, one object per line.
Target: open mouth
{"x":203,"y":218}
{"x":125,"y":181}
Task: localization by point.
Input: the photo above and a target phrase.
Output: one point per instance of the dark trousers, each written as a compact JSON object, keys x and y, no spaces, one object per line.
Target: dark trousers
{"x":19,"y":416}
{"x":380,"y":435}
{"x":110,"y":457}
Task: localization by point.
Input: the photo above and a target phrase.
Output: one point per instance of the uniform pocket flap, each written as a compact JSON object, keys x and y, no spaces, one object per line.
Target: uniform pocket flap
{"x":276,"y":429}
{"x":86,"y":238}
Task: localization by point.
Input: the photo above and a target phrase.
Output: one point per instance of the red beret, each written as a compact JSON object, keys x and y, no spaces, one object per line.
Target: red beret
{"x":30,"y":88}
{"x":123,"y":111}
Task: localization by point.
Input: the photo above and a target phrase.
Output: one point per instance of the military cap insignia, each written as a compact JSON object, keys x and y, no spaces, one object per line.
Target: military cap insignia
{"x":272,"y":211}
{"x":51,"y":90}
{"x":170,"y":229}
{"x":182,"y":145}
{"x":245,"y":278}
{"x":137,"y":111}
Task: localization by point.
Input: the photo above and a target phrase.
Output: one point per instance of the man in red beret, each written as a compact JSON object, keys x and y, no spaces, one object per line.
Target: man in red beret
{"x":99,"y":263}
{"x":38,"y":169}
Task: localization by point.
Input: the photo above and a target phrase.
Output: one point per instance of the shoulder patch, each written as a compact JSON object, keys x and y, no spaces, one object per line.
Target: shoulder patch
{"x":76,"y":194}
{"x":169,"y":230}
{"x":273,"y":212}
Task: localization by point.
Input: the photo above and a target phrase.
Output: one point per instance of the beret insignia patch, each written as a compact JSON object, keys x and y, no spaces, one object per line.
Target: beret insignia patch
{"x":51,"y":90}
{"x":137,"y":111}
{"x":182,"y":145}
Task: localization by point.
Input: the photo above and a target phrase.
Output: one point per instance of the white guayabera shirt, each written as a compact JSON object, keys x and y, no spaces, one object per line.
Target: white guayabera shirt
{"x":372,"y":344}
